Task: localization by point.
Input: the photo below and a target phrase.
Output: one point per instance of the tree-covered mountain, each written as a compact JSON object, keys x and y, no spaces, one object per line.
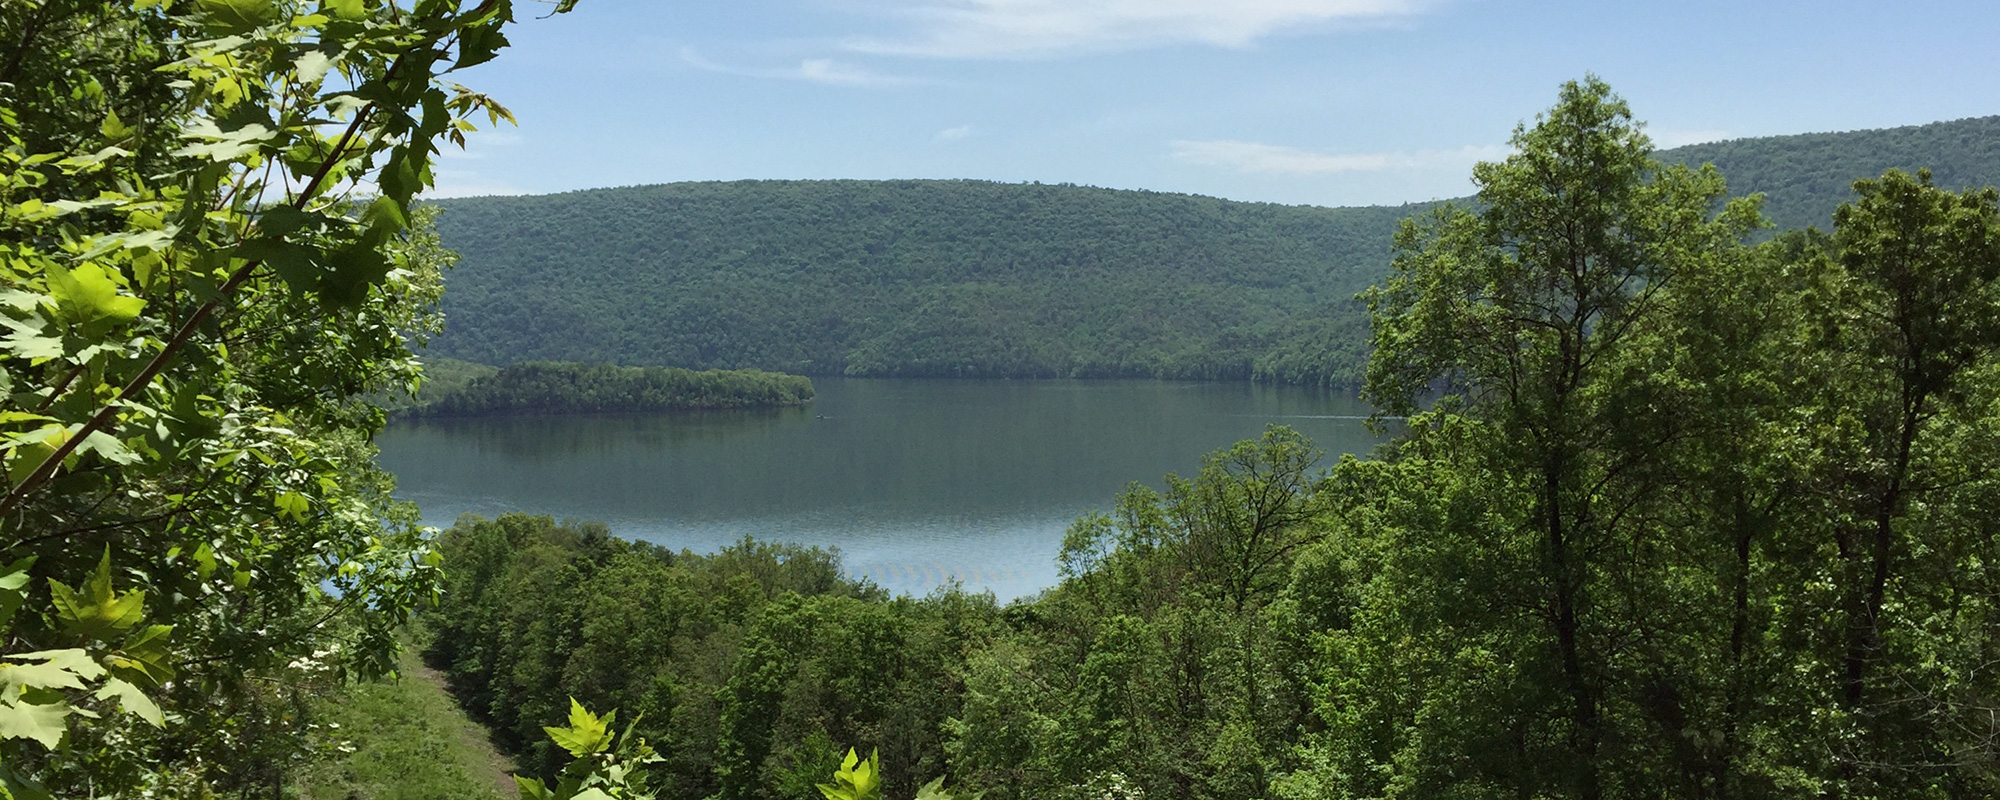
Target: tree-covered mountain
{"x":937,"y":278}
{"x":1804,"y":177}
{"x":973,"y":278}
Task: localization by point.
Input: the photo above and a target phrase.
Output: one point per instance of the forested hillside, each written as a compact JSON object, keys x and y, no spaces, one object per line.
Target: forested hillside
{"x":1804,"y":177}
{"x":971,"y":278}
{"x":931,"y":278}
{"x":1697,"y":515}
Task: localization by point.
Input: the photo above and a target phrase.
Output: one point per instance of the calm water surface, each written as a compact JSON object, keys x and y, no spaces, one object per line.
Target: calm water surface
{"x":915,"y":481}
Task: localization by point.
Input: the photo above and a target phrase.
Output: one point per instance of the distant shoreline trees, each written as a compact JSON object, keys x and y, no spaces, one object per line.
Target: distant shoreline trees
{"x":553,"y":387}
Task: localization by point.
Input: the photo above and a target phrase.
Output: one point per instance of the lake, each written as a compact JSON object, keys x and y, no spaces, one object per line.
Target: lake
{"x":915,"y":481}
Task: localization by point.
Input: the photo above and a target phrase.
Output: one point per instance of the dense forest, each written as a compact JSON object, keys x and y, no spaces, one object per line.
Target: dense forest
{"x":1681,"y":510}
{"x":549,"y":387}
{"x":211,"y":256}
{"x":1805,"y":176}
{"x":914,"y":278}
{"x":970,"y":278}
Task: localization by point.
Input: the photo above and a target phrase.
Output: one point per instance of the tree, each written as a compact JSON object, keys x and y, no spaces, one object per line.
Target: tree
{"x":1519,"y":314}
{"x":207,"y":250}
{"x":1906,"y":309}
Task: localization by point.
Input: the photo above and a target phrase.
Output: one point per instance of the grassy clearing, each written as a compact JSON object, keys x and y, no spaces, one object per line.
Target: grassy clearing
{"x":406,"y":740}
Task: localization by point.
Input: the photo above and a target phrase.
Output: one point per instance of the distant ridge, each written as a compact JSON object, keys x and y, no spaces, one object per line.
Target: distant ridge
{"x":979,"y":279}
{"x":1805,"y":176}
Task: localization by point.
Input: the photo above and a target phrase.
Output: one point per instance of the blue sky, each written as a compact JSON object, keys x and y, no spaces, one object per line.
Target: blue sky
{"x":1327,"y":102}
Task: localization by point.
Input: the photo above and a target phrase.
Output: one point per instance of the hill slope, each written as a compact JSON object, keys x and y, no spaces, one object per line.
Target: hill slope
{"x":1804,"y":177}
{"x":939,"y":278}
{"x":971,"y":278}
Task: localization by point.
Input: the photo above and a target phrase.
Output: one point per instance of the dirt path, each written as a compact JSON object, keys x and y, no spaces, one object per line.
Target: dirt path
{"x":481,"y":756}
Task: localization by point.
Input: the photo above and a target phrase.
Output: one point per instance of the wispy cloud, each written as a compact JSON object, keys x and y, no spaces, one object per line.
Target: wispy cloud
{"x":953,"y":134}
{"x":1012,"y":28}
{"x":1675,"y":137}
{"x":1272,"y":159}
{"x":450,"y":182}
{"x":815,"y":70}
{"x":457,"y":172}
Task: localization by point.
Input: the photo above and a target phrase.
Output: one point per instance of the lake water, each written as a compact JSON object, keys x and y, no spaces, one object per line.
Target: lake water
{"x":915,"y":481}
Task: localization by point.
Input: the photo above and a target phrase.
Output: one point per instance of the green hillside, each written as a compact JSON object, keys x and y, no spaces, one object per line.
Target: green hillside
{"x":972,"y":278}
{"x":1804,"y":177}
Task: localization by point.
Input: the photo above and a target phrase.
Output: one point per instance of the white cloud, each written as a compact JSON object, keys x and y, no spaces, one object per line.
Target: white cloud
{"x":457,"y":183}
{"x":1272,"y":159}
{"x":815,"y":70}
{"x":1667,"y":138}
{"x":1002,"y":28}
{"x":954,"y":134}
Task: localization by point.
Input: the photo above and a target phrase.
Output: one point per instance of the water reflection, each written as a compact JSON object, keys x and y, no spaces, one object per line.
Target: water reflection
{"x":916,"y":481}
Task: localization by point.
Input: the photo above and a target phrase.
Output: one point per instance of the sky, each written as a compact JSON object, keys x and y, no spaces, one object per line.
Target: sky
{"x":1322,"y":102}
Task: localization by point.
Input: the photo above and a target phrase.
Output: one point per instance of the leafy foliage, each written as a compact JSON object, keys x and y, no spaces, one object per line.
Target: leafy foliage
{"x":857,"y":778}
{"x":207,"y":251}
{"x":606,"y":765}
{"x":541,"y":387}
{"x":745,"y":665}
{"x":1653,"y":538}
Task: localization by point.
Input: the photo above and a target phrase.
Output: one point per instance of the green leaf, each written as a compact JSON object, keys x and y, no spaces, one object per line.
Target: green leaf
{"x":204,"y":561}
{"x":109,"y":447}
{"x":87,"y":294}
{"x":347,"y":9}
{"x":133,"y":701}
{"x":51,"y":674}
{"x":532,"y":789}
{"x":97,"y":589}
{"x":352,"y":270}
{"x":586,"y":733}
{"x":237,"y":16}
{"x":312,"y":66}
{"x":28,"y":452}
{"x":293,"y":262}
{"x":934,"y":790}
{"x":857,"y":779}
{"x":281,"y":221}
{"x":145,"y":653}
{"x":14,"y":582}
{"x":294,"y":505}
{"x":114,"y":128}
{"x":69,"y":608}
{"x":29,"y":342}
{"x":97,"y":612}
{"x":42,"y":722}
{"x":20,"y":300}
{"x":222,"y":146}
{"x":478,"y":45}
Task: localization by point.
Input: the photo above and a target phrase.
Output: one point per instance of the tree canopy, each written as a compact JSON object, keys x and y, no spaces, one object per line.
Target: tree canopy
{"x":208,"y":252}
{"x":543,"y":387}
{"x":1680,"y":509}
{"x":981,"y":279}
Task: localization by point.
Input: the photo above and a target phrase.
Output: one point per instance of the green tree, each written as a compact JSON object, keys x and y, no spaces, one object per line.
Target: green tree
{"x":1906,"y":309}
{"x":1519,"y":313}
{"x":207,"y":253}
